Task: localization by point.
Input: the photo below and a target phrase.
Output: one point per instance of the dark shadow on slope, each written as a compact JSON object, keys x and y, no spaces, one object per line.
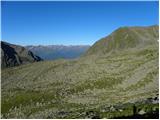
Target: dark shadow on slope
{"x":10,"y":58}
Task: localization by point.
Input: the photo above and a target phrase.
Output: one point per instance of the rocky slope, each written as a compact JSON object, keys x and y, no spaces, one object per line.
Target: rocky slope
{"x":13,"y":55}
{"x":112,"y":80}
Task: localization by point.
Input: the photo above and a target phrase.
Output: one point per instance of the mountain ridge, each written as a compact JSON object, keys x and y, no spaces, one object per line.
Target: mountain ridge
{"x":52,"y":52}
{"x":122,"y":37}
{"x":14,"y":55}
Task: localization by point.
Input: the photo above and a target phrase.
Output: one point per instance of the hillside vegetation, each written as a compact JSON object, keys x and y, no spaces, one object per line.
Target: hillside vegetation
{"x":126,"y":37}
{"x":118,"y":71}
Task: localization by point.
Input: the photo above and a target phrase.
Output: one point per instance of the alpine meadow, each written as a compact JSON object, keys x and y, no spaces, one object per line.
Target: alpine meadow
{"x":116,"y":77}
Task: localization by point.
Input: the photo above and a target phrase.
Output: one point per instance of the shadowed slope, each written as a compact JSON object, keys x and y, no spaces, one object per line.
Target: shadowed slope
{"x":13,"y":55}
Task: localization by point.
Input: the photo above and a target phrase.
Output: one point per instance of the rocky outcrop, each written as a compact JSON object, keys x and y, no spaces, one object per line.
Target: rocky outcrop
{"x":14,"y":55}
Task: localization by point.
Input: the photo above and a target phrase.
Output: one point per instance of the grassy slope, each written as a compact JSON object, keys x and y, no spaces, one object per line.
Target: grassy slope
{"x":67,"y":89}
{"x":125,"y":37}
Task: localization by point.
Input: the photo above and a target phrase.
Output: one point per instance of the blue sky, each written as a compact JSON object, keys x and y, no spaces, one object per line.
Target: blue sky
{"x":71,"y":23}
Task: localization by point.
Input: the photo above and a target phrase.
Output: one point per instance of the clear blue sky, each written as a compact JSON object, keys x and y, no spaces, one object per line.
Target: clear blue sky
{"x":71,"y":23}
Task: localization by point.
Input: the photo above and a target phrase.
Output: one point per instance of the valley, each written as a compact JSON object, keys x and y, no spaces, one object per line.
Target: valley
{"x":120,"y":69}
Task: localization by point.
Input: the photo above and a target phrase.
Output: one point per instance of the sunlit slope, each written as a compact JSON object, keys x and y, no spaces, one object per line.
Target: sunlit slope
{"x":125,"y":37}
{"x":67,"y":89}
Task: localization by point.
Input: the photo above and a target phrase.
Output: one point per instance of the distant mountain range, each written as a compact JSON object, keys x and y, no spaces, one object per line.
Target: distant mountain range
{"x":52,"y":52}
{"x":14,"y":55}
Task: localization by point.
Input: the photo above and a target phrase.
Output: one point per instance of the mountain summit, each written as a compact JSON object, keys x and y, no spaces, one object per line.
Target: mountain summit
{"x":126,"y":37}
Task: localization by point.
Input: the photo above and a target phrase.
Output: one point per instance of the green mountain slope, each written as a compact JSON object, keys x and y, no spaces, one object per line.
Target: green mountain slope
{"x":125,"y":37}
{"x":88,"y":86}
